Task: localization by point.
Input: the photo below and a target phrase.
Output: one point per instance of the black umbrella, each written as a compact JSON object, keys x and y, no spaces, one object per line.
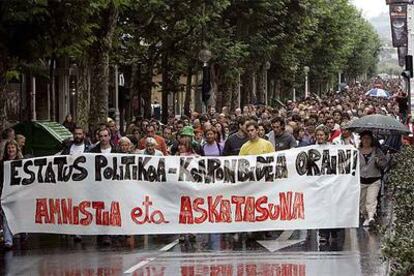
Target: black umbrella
{"x":379,"y":124}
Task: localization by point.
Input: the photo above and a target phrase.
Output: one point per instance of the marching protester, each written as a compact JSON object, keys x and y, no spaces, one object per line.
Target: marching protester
{"x":21,"y":141}
{"x":303,"y":140}
{"x":252,"y":130}
{"x":334,"y":129}
{"x":325,"y":235}
{"x":115,"y":134}
{"x":279,"y":137}
{"x":346,"y":137}
{"x":211,"y":147}
{"x":69,"y":123}
{"x":78,"y":144}
{"x":372,"y":161}
{"x":150,"y":148}
{"x":125,"y":145}
{"x":151,"y":132}
{"x":255,"y":145}
{"x":7,"y":135}
{"x":12,"y":152}
{"x":105,"y":145}
{"x":236,"y":140}
{"x":262,"y":131}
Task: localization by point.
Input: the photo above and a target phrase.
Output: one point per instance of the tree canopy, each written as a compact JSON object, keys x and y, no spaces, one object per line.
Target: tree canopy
{"x":165,"y":37}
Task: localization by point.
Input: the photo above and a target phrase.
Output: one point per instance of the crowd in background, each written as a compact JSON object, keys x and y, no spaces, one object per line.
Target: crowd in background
{"x":251,"y":130}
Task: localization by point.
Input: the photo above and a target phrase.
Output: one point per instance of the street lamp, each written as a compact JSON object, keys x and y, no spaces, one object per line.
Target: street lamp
{"x":204,"y":56}
{"x":294,"y":69}
{"x":306,"y":70}
{"x":266,"y":87}
{"x":339,"y":80}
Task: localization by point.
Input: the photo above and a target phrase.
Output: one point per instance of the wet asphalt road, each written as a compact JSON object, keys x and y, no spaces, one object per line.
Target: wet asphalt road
{"x":289,"y":253}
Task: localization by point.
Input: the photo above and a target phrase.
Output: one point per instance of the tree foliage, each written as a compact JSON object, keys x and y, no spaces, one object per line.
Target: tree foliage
{"x":399,"y":244}
{"x":165,"y":36}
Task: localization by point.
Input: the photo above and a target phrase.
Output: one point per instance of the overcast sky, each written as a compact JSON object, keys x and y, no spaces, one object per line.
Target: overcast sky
{"x":371,"y":8}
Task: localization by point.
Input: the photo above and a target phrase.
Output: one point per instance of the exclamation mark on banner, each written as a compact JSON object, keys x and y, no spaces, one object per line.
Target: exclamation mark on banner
{"x":354,"y":161}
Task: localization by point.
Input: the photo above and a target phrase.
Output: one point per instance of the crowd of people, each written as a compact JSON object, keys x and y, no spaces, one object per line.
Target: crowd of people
{"x":252,"y":130}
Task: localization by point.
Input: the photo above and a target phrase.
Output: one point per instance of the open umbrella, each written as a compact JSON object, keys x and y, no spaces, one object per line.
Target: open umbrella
{"x":379,"y":124}
{"x":378,"y":92}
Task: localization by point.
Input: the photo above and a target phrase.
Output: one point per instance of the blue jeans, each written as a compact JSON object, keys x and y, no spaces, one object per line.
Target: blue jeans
{"x":7,"y":234}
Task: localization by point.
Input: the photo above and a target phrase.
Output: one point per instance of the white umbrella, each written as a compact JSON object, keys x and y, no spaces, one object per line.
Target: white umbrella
{"x":378,"y":92}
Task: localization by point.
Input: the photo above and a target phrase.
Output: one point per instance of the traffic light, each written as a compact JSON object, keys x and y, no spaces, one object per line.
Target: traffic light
{"x":408,"y":72}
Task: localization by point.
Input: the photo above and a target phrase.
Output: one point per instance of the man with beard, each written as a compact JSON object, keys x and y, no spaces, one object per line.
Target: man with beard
{"x":78,"y":145}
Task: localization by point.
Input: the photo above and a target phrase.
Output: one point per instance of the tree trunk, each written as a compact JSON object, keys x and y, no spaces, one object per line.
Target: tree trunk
{"x":137,"y":86}
{"x":187,"y":99}
{"x":278,"y":88}
{"x":198,"y":104}
{"x":147,"y":89}
{"x":83,"y":97}
{"x":166,"y":87}
{"x":218,"y":92}
{"x":100,"y":65}
{"x":3,"y":84}
{"x":234,"y":103}
{"x":227,"y":97}
{"x":52,"y":87}
{"x":260,"y":85}
{"x":246,"y":89}
{"x":253,"y":91}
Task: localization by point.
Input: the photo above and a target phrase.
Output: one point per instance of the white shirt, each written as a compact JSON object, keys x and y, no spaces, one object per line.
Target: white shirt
{"x":108,"y":150}
{"x":76,"y":149}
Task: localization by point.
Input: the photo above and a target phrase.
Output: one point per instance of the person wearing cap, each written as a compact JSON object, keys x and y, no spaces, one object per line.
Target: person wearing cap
{"x":187,"y":134}
{"x":150,"y":148}
{"x":161,"y":145}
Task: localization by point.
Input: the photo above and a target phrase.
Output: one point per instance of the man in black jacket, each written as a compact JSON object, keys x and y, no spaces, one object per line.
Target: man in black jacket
{"x":78,"y":145}
{"x":104,"y":145}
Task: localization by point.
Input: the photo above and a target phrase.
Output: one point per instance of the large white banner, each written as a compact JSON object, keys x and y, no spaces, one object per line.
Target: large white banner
{"x":305,"y":188}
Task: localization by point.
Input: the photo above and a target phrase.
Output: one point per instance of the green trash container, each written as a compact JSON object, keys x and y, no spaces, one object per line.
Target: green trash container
{"x":43,"y":137}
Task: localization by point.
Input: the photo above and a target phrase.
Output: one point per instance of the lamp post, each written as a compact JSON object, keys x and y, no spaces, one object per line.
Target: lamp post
{"x":265,"y":81}
{"x":294,"y":69}
{"x":339,"y":80}
{"x":306,"y":70}
{"x":116,"y":97}
{"x":204,"y":56}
